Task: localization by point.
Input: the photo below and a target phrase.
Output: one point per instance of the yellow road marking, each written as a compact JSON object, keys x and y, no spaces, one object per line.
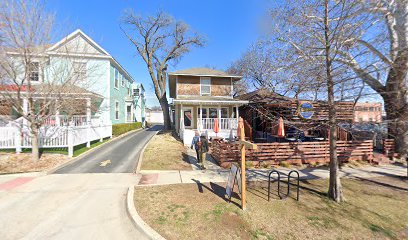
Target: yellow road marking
{"x":105,"y":163}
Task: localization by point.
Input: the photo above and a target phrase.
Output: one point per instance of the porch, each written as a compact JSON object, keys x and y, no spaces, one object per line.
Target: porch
{"x":192,"y":115}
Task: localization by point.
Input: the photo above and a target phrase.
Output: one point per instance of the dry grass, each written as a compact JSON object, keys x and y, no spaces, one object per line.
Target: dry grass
{"x":375,"y":209}
{"x":165,"y":152}
{"x":18,"y":163}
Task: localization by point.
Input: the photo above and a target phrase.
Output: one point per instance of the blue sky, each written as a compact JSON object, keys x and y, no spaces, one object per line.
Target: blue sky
{"x":228,"y":25}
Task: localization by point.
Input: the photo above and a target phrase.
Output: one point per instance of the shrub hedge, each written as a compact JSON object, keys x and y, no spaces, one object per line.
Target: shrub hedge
{"x":121,"y":128}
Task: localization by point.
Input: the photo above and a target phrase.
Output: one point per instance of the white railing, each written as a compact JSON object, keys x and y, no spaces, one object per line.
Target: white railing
{"x":53,"y":136}
{"x":224,"y":123}
{"x":64,"y":120}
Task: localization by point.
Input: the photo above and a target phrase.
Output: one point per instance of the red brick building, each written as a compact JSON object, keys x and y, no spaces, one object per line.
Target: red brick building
{"x":368,"y":112}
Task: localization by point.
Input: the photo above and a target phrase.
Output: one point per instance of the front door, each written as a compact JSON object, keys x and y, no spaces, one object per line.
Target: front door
{"x":188,"y":117}
{"x":129,"y":113}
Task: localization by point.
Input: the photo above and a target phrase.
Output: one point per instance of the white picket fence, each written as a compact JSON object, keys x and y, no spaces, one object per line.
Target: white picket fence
{"x":53,"y":136}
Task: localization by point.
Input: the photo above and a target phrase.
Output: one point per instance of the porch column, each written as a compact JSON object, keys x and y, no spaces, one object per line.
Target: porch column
{"x":201,"y":117}
{"x":88,"y":122}
{"x":57,"y":114}
{"x":88,"y":111}
{"x":181,"y":117}
{"x":237,"y":108}
{"x":25,"y":110}
{"x":219,"y":116}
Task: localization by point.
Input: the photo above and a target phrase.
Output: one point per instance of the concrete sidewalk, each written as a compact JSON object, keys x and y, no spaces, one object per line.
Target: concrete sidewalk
{"x":155,"y":177}
{"x":66,"y":206}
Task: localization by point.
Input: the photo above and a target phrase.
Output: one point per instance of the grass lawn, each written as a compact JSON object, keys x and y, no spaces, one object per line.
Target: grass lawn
{"x":375,"y":209}
{"x":165,"y":152}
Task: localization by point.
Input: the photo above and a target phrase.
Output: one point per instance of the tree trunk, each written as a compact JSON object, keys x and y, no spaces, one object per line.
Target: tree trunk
{"x":35,"y":151}
{"x":166,"y":112}
{"x":397,"y":116}
{"x":335,"y":189}
{"x":396,"y":103}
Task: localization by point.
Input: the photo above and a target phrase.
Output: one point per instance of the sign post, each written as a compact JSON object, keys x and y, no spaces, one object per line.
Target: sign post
{"x":243,"y":144}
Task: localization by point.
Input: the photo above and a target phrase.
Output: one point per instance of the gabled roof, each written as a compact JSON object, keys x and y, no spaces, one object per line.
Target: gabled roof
{"x":263,"y":95}
{"x":74,"y":35}
{"x":204,"y":72}
{"x":95,"y":49}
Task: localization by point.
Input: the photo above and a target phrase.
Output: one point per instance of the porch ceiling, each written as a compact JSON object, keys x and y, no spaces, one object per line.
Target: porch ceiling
{"x":224,"y":102}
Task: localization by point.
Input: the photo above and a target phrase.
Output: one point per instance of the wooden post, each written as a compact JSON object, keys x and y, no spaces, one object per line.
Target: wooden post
{"x":243,"y":175}
{"x":243,"y":144}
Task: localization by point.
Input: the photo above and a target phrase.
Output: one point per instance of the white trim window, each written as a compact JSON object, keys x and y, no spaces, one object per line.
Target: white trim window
{"x":123,"y":80}
{"x":116,"y":80}
{"x":34,"y":71}
{"x":80,"y":70}
{"x":205,"y":86}
{"x":116,"y":110}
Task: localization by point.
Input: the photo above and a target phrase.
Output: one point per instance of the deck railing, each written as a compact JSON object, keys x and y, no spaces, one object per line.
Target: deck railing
{"x":64,"y":120}
{"x":224,"y":123}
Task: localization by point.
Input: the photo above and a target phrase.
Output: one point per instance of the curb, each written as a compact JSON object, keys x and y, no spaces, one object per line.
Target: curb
{"x":137,"y":220}
{"x":140,"y":160}
{"x":75,"y":159}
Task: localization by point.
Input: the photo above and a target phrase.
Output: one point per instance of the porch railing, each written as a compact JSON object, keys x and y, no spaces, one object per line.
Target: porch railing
{"x":64,"y":120}
{"x":224,"y":123}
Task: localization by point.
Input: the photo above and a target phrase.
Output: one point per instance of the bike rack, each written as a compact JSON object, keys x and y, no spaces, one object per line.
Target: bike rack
{"x":269,"y":183}
{"x":279,"y":179}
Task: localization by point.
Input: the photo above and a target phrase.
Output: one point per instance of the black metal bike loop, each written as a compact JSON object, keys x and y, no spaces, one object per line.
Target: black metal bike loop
{"x":297,"y":185}
{"x":269,"y":183}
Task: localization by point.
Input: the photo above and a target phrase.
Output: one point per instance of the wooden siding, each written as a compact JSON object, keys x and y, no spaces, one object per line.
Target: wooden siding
{"x":220,"y":86}
{"x":190,"y":85}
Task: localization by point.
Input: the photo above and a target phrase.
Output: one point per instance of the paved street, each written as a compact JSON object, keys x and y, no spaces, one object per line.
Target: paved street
{"x":120,"y":156}
{"x":83,"y":201}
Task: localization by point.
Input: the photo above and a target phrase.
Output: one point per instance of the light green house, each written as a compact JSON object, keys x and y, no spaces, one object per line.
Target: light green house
{"x":122,"y":100}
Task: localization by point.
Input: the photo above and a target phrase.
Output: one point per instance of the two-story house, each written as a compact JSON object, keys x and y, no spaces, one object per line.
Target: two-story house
{"x":118,"y":98}
{"x":202,"y":99}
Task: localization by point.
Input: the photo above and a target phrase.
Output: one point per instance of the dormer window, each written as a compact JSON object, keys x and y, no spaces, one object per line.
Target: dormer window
{"x":34,"y":72}
{"x":205,"y":85}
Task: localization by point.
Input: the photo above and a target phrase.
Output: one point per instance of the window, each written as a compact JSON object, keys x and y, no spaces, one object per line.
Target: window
{"x":371,"y":109}
{"x":34,"y":71}
{"x":116,"y":110}
{"x":205,"y":85}
{"x":123,"y":81}
{"x":136,"y":92}
{"x":116,"y":78}
{"x":129,"y":91}
{"x":80,"y":70}
{"x":224,"y":112}
{"x":212,"y":112}
{"x":204,"y":112}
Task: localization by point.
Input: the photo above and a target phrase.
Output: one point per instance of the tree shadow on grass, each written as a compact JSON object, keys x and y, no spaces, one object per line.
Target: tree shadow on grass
{"x":260,"y":189}
{"x":385,"y":184}
{"x":217,"y":190}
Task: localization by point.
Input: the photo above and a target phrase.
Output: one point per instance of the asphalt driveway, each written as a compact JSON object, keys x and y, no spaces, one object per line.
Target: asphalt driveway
{"x":118,"y":156}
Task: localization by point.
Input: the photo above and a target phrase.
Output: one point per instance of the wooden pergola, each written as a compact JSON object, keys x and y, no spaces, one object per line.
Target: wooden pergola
{"x":265,"y":108}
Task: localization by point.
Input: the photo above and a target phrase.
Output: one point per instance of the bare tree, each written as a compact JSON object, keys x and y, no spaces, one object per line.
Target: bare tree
{"x":160,"y":40}
{"x":380,"y":58}
{"x":314,"y":32}
{"x":29,"y":85}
